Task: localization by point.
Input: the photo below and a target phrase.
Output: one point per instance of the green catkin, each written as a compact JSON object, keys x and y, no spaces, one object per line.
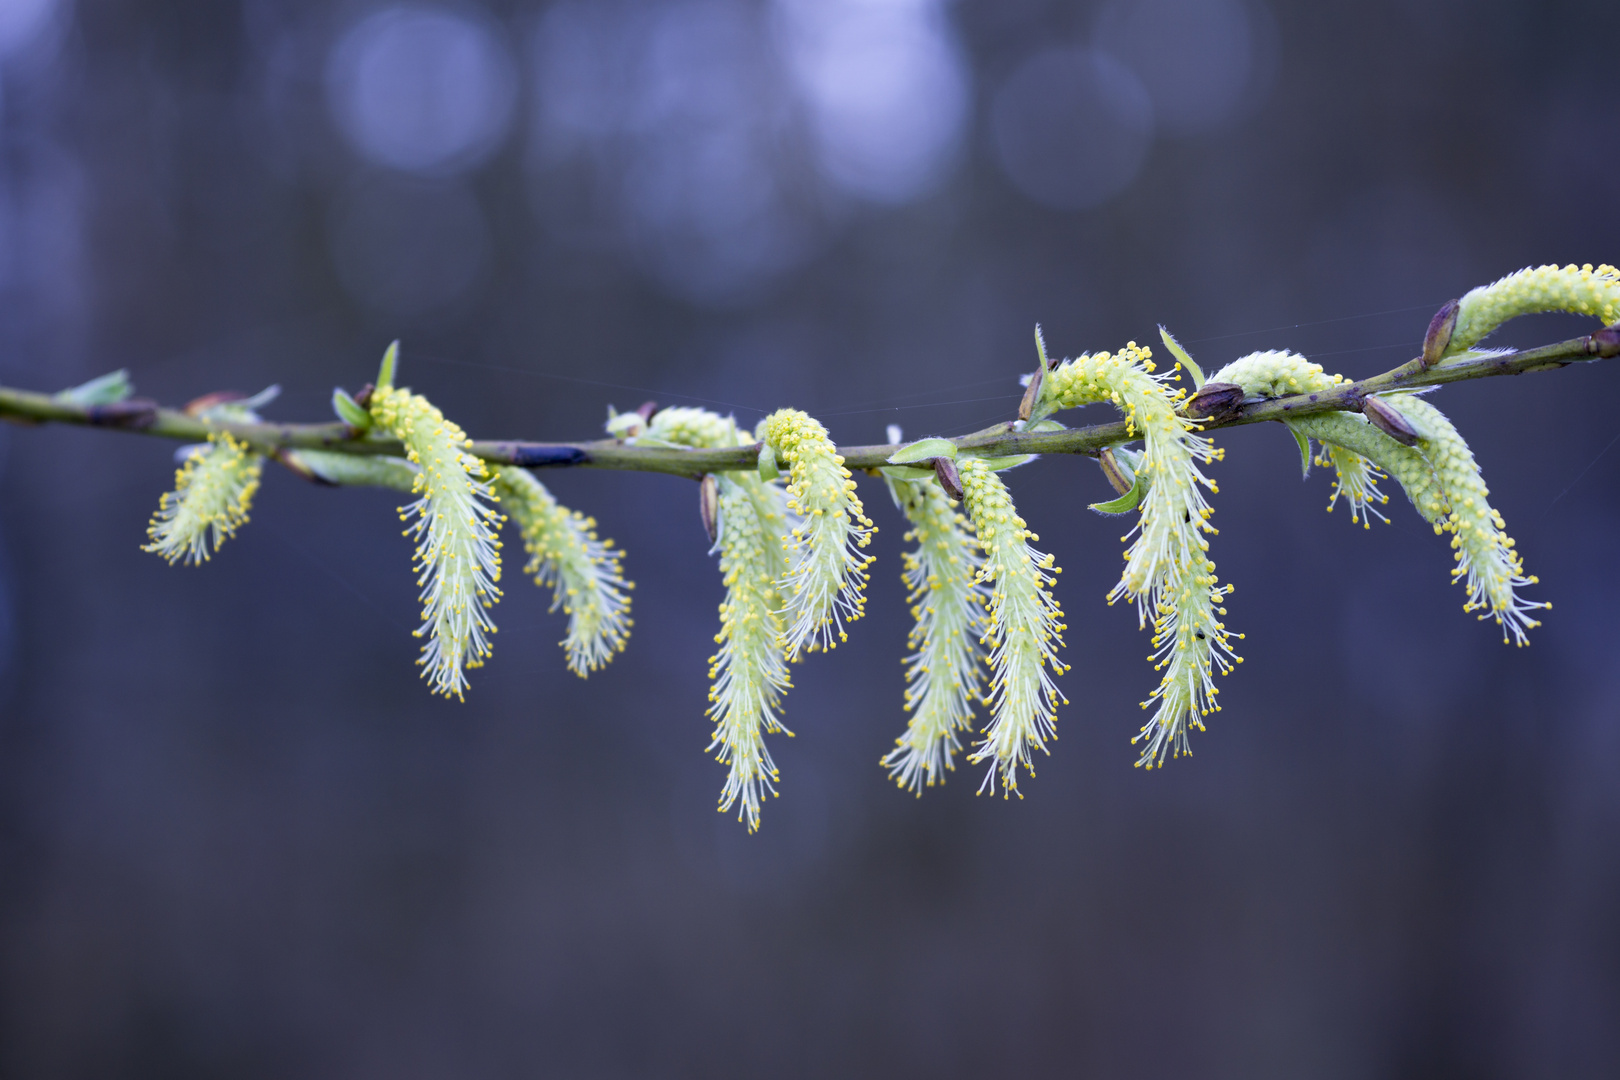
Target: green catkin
{"x":212,"y":493}
{"x":457,"y":559}
{"x":1581,"y":290}
{"x":943,"y":671}
{"x":1487,"y":563}
{"x":1278,"y":373}
{"x":583,"y":572}
{"x":1439,"y":474}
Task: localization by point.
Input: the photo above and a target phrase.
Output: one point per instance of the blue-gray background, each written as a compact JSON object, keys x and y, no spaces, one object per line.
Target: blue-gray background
{"x":238,"y":838}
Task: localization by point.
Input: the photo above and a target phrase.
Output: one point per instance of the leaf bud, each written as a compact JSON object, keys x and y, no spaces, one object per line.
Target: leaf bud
{"x":1606,"y":342}
{"x":1215,"y":399}
{"x":1438,"y":339}
{"x":349,"y":411}
{"x":1120,"y":477}
{"x":709,"y":506}
{"x":949,"y":479}
{"x":1391,"y":423}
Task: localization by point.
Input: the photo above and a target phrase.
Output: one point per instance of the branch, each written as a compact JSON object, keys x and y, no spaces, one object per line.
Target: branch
{"x":148,"y":418}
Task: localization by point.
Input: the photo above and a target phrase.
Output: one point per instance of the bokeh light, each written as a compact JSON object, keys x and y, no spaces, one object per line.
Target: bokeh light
{"x":886,"y":88}
{"x":422,"y":89}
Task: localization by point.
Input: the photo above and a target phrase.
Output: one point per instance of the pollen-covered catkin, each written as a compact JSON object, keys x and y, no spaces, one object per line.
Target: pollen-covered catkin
{"x":826,"y":578}
{"x":1191,"y":645}
{"x":1582,"y":290}
{"x":1024,"y":631}
{"x":1174,"y":513}
{"x":583,"y":572}
{"x":457,"y":559}
{"x":212,"y":493}
{"x":943,"y":671}
{"x":749,"y":671}
{"x":1486,"y":559}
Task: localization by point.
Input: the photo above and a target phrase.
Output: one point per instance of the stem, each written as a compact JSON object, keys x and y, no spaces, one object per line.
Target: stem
{"x":147,"y":418}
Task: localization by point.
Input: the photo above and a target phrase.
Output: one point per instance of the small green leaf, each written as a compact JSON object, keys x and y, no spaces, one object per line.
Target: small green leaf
{"x":1304,"y":449}
{"x":349,"y":411}
{"x":1179,"y":353}
{"x":1011,"y":461}
{"x":1126,"y":502}
{"x":108,"y":389}
{"x":923,"y":450}
{"x":768,"y":469}
{"x":390,"y":361}
{"x":906,"y":472}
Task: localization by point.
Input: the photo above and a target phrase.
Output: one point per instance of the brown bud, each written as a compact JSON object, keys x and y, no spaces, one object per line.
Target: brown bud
{"x":1215,"y":399}
{"x":198,"y":406}
{"x":362,"y":397}
{"x":1438,"y":339}
{"x":949,"y":479}
{"x":1032,"y":393}
{"x":1114,"y":471}
{"x":709,"y":506}
{"x":646,"y":411}
{"x":1391,"y":423}
{"x":1606,"y":342}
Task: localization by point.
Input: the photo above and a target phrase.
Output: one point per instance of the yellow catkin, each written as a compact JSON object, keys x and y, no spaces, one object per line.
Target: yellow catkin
{"x":826,"y":578}
{"x":457,"y":559}
{"x":583,"y":572}
{"x":1024,"y":631}
{"x":943,"y":671}
{"x":212,"y":493}
{"x":749,"y":671}
{"x":1168,"y":571}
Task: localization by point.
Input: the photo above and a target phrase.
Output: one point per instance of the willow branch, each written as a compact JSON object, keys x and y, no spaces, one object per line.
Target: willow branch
{"x":149,"y":418}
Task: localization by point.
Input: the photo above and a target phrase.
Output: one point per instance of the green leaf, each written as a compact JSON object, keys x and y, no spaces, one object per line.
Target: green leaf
{"x":390,"y":361}
{"x":1179,"y":353}
{"x":768,"y":470}
{"x":1011,"y":461}
{"x":1304,"y":449}
{"x":906,"y":472}
{"x":349,"y":411}
{"x":923,"y":450}
{"x":108,"y":389}
{"x":1126,"y":502}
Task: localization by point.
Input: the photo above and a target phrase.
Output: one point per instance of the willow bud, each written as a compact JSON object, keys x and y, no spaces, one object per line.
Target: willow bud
{"x":1438,"y":339}
{"x":1391,"y":423}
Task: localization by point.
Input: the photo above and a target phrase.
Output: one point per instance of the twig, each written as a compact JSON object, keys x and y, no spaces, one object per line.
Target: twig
{"x":147,"y":418}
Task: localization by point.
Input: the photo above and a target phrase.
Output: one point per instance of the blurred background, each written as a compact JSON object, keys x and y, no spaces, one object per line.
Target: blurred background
{"x":238,"y":837}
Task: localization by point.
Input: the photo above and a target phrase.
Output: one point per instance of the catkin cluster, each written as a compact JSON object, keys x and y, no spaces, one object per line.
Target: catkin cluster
{"x":792,"y":535}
